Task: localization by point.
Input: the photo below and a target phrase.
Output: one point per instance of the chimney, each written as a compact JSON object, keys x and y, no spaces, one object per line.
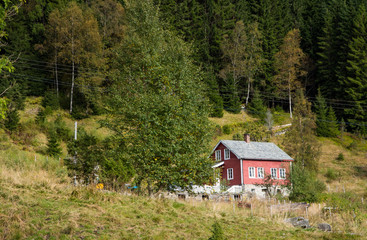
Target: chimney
{"x":247,"y":137}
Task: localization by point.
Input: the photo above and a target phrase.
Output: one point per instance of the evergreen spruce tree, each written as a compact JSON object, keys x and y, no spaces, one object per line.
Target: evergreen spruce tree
{"x":355,"y":86}
{"x":12,"y":120}
{"x":53,"y":146}
{"x":256,"y":106}
{"x":321,"y":110}
{"x":333,"y":126}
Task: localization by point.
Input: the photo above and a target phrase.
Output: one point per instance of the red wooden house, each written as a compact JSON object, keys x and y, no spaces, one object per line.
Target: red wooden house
{"x":245,"y":164}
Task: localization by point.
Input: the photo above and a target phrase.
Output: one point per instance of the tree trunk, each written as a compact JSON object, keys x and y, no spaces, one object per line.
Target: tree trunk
{"x":248,"y":91}
{"x":72,"y":68}
{"x":56,"y":75}
{"x":290,"y":99}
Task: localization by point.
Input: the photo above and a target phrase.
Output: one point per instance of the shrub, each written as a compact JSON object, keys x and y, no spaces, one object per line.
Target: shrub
{"x":12,"y":120}
{"x":340,"y":157}
{"x":53,"y":147}
{"x":237,"y":137}
{"x":331,"y":175}
{"x":217,"y":232}
{"x":305,"y":186}
{"x":226,"y":129}
{"x":50,"y":100}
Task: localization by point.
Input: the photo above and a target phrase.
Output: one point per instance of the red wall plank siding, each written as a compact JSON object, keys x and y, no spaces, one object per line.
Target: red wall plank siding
{"x":267,"y":165}
{"x":233,"y":162}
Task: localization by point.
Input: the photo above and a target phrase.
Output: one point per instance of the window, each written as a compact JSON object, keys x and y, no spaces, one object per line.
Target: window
{"x":273,"y":173}
{"x":260,"y":172}
{"x":217,"y":155}
{"x":226,"y":154}
{"x":230,"y":173}
{"x":282,"y":173}
{"x":251,"y":172}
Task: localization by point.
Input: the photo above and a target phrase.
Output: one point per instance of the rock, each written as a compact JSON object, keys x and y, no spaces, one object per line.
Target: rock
{"x":298,"y":222}
{"x":324,"y":227}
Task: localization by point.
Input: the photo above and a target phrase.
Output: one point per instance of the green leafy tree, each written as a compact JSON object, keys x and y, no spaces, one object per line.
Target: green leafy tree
{"x":305,"y":186}
{"x":164,"y":117}
{"x":289,"y":63}
{"x":300,"y":141}
{"x":75,"y":36}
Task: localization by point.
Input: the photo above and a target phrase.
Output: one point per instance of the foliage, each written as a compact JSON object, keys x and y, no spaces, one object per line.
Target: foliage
{"x":12,"y":120}
{"x":256,"y":130}
{"x":289,"y":62}
{"x":227,"y":129}
{"x":53,"y":146}
{"x":270,"y":185}
{"x":61,"y":130}
{"x":237,"y":137}
{"x":116,"y":169}
{"x":164,"y":114}
{"x":340,"y":157}
{"x":256,"y":106}
{"x":84,"y":157}
{"x":3,"y":108}
{"x":217,"y":232}
{"x":300,"y":140}
{"x":331,"y":174}
{"x":305,"y":186}
{"x":50,"y":100}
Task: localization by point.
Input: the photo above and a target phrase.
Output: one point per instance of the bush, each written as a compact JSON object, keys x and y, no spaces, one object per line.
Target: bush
{"x":237,"y":137}
{"x":217,"y":232}
{"x":62,"y":131}
{"x":226,"y":129}
{"x":50,"y":100}
{"x":340,"y":157}
{"x":53,"y":147}
{"x":12,"y":120}
{"x":305,"y":186}
{"x":331,"y":175}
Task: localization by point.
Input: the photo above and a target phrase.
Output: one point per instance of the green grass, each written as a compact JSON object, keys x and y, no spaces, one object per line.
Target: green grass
{"x":38,"y":202}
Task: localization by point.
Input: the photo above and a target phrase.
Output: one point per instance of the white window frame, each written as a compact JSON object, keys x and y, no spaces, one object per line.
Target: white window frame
{"x":273,"y":170}
{"x":249,"y":172}
{"x":229,"y":173}
{"x":260,"y":170}
{"x":282,"y":176}
{"x":226,"y":151}
{"x":218,"y":155}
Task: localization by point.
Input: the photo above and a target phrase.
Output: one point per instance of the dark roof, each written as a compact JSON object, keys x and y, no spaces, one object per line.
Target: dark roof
{"x":255,"y":150}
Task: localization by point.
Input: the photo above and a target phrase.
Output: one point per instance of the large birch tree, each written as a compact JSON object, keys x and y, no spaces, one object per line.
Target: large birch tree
{"x":289,"y":64}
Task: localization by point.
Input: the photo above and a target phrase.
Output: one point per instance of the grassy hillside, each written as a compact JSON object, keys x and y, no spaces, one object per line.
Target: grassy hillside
{"x":38,"y":201}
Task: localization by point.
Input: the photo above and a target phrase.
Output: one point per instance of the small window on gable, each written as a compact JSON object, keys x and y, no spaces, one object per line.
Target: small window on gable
{"x":226,"y":154}
{"x":229,"y":173}
{"x":282,"y":173}
{"x":273,"y":172}
{"x":251,"y":172}
{"x":260,"y":172}
{"x":217,"y":155}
